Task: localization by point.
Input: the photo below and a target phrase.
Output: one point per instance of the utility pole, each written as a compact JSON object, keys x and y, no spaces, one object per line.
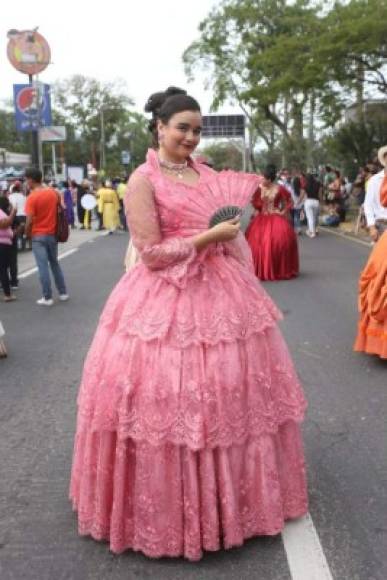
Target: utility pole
{"x":102,"y":159}
{"x":35,"y":132}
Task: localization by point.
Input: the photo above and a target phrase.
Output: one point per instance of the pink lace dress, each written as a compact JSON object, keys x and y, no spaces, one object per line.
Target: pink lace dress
{"x":189,"y":407}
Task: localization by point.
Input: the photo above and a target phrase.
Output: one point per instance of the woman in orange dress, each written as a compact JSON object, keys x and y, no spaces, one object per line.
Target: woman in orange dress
{"x":372,"y":331}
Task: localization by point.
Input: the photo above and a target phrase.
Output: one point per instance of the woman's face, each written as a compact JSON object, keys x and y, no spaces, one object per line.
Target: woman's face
{"x":181,"y":135}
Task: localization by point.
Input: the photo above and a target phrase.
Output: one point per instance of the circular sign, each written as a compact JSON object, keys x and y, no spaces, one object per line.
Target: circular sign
{"x":28,"y":51}
{"x":88,"y":201}
{"x":30,"y":101}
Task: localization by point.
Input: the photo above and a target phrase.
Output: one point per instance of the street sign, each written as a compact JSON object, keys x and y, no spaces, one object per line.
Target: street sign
{"x":125,"y":157}
{"x":28,"y":51}
{"x":53,"y":133}
{"x":32,"y":106}
{"x":223,"y":126}
{"x":17,"y":158}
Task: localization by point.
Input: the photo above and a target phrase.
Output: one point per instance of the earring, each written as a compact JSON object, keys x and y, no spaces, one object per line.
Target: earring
{"x":160,"y":137}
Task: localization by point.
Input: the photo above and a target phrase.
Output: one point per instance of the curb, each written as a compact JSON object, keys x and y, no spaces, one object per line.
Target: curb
{"x":350,"y":237}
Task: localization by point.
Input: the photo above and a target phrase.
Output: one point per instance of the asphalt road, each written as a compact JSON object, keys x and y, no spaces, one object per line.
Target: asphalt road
{"x":345,"y":430}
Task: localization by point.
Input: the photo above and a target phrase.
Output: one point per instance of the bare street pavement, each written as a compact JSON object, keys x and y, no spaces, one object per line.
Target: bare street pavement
{"x":345,"y":431}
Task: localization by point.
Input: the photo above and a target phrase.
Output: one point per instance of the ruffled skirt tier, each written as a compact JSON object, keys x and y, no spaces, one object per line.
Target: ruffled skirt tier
{"x":372,"y":329}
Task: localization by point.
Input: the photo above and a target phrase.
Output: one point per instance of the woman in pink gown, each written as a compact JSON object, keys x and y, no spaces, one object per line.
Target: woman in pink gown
{"x":271,"y":238}
{"x":188,"y":432}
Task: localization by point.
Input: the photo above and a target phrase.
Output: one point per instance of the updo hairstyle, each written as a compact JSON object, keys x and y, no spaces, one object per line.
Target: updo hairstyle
{"x":164,"y":105}
{"x":270,"y":172}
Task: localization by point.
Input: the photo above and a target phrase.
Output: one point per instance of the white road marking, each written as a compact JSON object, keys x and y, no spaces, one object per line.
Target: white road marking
{"x":28,"y":273}
{"x":60,"y":257}
{"x":68,"y":253}
{"x":304,"y":552}
{"x":312,"y":354}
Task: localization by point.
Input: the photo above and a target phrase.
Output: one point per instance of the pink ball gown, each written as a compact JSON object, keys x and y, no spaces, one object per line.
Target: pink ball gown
{"x":189,"y":407}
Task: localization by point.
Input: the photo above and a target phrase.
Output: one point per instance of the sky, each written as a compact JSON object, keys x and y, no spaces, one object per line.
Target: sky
{"x":139,"y":41}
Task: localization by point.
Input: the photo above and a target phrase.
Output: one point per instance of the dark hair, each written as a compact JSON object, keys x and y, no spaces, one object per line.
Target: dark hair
{"x":34,"y":174}
{"x":338,"y":174}
{"x":328,"y":168}
{"x":270,"y":172}
{"x":17,"y":187}
{"x":297,"y":185}
{"x":164,"y":105}
{"x":312,"y":185}
{"x":5,"y":204}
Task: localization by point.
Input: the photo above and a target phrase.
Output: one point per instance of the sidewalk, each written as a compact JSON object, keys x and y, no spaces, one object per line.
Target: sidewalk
{"x":26,"y":260}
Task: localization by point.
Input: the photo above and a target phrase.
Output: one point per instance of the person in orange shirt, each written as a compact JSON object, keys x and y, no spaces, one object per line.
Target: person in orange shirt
{"x":41,"y":212}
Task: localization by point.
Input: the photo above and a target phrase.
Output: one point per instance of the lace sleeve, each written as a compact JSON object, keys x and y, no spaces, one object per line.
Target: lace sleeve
{"x":171,"y":256}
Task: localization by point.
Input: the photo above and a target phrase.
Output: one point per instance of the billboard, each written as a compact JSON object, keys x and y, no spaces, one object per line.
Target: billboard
{"x":223,"y":126}
{"x":32,"y":106}
{"x":53,"y":133}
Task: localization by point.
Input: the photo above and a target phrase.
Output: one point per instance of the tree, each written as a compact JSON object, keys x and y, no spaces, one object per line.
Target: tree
{"x":223,"y":154}
{"x":294,"y":66}
{"x":90,"y":110}
{"x":260,"y":54}
{"x":356,"y":143}
{"x":10,"y":139}
{"x":354,"y":49}
{"x":100,"y":119}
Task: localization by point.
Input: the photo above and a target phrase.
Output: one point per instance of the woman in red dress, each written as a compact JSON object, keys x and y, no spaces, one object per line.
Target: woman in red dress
{"x":271,"y":238}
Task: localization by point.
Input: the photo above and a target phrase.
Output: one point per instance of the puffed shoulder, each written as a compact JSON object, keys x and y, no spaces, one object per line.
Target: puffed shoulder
{"x":139,"y":181}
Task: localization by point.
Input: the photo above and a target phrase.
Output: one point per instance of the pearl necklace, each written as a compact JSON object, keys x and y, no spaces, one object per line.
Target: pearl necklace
{"x":176,"y":168}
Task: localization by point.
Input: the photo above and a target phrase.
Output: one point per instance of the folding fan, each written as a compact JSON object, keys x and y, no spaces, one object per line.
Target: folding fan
{"x":221,"y":197}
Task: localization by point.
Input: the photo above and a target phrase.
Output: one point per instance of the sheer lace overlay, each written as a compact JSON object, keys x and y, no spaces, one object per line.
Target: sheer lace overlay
{"x":170,"y":256}
{"x":188,"y":410}
{"x":172,"y":501}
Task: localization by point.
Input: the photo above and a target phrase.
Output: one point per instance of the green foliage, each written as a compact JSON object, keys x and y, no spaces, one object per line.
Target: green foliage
{"x":355,"y":40}
{"x":356,"y":143}
{"x":291,"y":65}
{"x":223,"y":155}
{"x":81,"y":104}
{"x":93,"y":110}
{"x":10,"y":139}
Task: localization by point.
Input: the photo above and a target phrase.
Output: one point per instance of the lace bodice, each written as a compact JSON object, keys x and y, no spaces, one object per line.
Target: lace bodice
{"x":267,"y":202}
{"x":163,"y":214}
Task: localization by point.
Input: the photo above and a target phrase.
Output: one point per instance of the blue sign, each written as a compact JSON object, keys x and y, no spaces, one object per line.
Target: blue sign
{"x":32,"y":106}
{"x":125,"y":157}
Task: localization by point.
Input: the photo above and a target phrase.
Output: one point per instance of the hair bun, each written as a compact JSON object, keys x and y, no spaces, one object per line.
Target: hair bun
{"x":156,"y":100}
{"x":171,"y":91}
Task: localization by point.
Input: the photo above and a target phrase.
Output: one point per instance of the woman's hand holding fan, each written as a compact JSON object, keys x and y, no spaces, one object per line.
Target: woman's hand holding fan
{"x":225,"y":231}
{"x":220,"y":205}
{"x":225,"y":214}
